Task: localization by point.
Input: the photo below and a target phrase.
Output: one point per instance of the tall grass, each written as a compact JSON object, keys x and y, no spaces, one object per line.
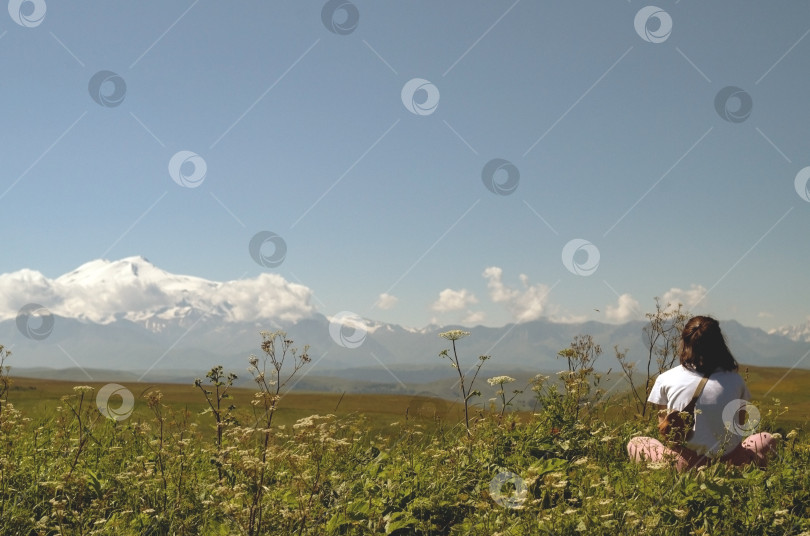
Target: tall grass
{"x":561,"y":470}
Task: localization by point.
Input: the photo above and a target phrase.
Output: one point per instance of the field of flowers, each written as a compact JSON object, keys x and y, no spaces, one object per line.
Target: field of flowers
{"x":560,"y":470}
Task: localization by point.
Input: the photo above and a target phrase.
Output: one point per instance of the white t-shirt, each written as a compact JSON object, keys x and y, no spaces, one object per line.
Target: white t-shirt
{"x":675,"y":388}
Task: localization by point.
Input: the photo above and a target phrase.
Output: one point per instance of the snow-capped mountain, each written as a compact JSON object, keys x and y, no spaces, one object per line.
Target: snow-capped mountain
{"x":800,"y":332}
{"x":129,"y":315}
{"x":134,"y":289}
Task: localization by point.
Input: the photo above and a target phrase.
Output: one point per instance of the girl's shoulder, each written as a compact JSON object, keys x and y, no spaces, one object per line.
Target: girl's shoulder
{"x":727,"y":376}
{"x":682,"y":372}
{"x":675,"y":376}
{"x":677,"y":372}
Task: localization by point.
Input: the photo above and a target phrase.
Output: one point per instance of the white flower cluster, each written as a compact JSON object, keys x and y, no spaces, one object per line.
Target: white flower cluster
{"x":309,"y":422}
{"x":454,"y":334}
{"x":500,"y":380}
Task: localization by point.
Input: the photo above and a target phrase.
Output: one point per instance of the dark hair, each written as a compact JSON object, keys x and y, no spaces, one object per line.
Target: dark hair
{"x":703,"y":347}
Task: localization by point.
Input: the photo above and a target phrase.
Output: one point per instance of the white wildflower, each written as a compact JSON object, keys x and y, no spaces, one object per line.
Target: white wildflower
{"x":454,"y":334}
{"x":500,"y":380}
{"x":306,"y":422}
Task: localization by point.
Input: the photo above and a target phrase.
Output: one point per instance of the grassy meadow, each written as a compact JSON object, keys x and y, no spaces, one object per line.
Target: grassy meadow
{"x":207,"y":458}
{"x":39,"y":397}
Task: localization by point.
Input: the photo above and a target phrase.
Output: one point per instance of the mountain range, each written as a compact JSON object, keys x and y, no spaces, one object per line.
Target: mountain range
{"x":132,"y":317}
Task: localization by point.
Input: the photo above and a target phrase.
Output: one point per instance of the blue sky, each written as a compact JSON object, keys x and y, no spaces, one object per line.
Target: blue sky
{"x":615,"y":134}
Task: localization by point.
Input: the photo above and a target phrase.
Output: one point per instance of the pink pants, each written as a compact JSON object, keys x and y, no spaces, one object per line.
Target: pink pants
{"x":754,"y":448}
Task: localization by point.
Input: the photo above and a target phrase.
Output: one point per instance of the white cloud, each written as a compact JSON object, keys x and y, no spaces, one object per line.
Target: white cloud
{"x":568,"y":318}
{"x":688,"y":298}
{"x":267,"y":296}
{"x":473,"y":318}
{"x":626,"y":310}
{"x":132,"y":288}
{"x":386,"y":301}
{"x":20,"y":288}
{"x":453,"y":300}
{"x":529,"y":303}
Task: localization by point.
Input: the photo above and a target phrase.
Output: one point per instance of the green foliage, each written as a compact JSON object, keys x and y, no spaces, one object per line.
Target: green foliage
{"x":5,"y":381}
{"x":662,"y":335}
{"x":157,"y":473}
{"x":465,"y":383}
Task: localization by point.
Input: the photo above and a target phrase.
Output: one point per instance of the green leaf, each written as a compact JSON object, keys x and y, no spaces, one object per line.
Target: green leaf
{"x":94,"y":483}
{"x":399,"y":521}
{"x":548,"y":465}
{"x":337,"y":523}
{"x":358,"y":509}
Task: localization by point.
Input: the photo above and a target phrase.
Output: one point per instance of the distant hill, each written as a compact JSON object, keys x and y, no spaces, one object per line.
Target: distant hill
{"x":800,"y":332}
{"x":132,"y":319}
{"x":125,"y":346}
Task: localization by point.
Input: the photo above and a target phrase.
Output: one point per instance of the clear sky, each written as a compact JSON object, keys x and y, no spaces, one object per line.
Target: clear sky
{"x":306,"y":121}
